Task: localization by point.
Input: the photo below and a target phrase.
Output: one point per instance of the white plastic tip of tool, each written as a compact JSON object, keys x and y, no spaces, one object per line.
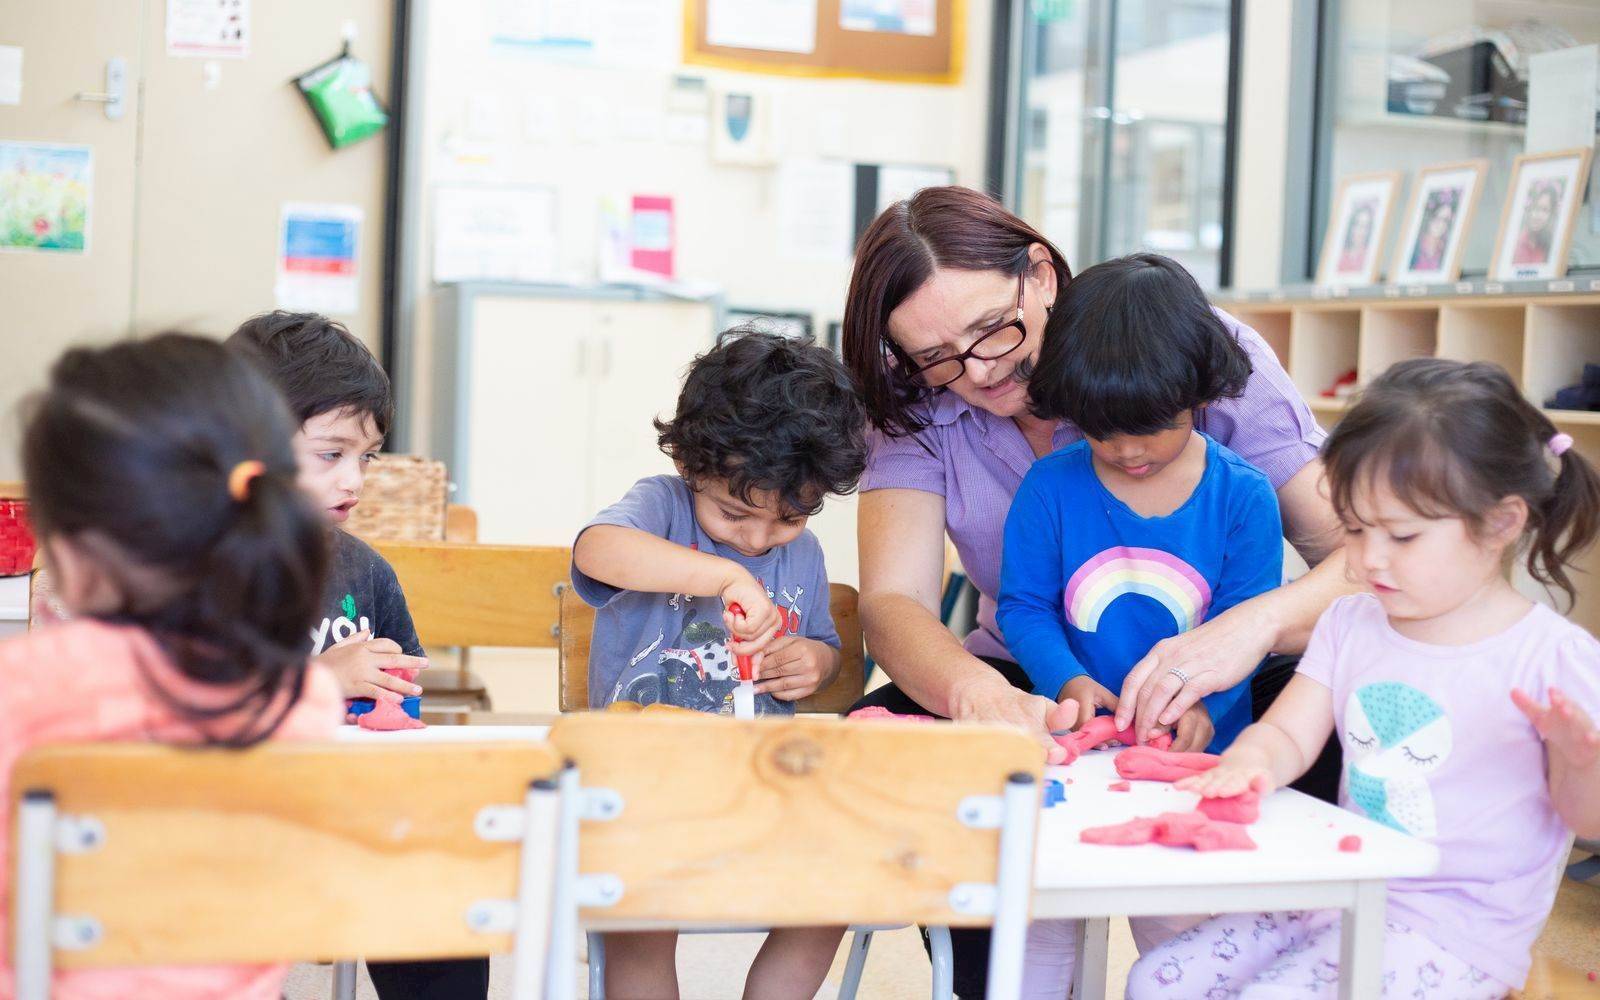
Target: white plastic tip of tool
{"x":744,"y":701}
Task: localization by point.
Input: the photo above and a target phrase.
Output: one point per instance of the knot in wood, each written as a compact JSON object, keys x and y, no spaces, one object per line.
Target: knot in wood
{"x":797,"y":757}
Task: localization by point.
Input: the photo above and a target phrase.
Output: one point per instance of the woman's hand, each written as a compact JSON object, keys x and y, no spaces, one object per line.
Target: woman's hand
{"x":1179,"y":671}
{"x":994,"y":700}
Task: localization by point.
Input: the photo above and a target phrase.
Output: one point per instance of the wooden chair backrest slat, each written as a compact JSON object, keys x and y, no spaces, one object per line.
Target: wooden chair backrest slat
{"x":286,"y":851}
{"x":794,"y":822}
{"x":463,"y":594}
{"x":577,"y":633}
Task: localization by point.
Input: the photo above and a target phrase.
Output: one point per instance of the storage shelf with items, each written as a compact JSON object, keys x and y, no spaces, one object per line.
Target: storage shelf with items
{"x":1545,"y":341}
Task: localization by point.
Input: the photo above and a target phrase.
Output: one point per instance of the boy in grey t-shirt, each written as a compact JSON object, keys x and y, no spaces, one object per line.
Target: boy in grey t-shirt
{"x":765,"y":429}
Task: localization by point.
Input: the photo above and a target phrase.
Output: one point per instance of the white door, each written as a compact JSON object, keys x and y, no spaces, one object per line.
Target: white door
{"x":58,"y":297}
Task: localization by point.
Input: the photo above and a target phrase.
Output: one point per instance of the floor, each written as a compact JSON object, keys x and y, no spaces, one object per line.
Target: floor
{"x":711,"y":967}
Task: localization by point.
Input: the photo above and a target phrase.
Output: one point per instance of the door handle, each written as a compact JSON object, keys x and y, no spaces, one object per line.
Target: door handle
{"x":116,"y":89}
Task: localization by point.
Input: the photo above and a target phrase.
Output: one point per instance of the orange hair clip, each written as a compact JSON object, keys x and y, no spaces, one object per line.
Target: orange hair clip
{"x":240,"y":478}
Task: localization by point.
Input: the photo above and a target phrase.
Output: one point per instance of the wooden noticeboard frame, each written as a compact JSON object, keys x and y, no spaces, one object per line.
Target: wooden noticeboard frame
{"x":874,"y":55}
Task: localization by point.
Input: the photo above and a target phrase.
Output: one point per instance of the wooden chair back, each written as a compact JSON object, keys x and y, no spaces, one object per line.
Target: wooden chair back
{"x":284,"y":852}
{"x":464,"y":594}
{"x":798,"y":822}
{"x":577,"y":632}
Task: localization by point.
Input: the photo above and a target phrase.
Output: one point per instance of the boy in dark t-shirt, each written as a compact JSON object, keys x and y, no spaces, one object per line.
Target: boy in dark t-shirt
{"x":341,"y":396}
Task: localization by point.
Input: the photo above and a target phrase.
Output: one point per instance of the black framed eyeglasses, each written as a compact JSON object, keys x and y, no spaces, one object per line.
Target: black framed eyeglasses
{"x":990,"y":346}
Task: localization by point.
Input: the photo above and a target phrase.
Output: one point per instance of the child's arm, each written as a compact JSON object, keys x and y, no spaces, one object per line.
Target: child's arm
{"x":1029,"y":610}
{"x":631,"y":559}
{"x":1252,"y":564}
{"x":1278,"y":749}
{"x":1572,"y":747}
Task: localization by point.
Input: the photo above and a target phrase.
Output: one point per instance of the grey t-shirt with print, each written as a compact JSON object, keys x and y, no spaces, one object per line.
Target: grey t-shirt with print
{"x":671,"y":648}
{"x":362,"y":594}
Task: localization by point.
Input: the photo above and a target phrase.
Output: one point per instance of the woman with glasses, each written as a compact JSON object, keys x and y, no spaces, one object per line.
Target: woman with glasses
{"x":949,"y":303}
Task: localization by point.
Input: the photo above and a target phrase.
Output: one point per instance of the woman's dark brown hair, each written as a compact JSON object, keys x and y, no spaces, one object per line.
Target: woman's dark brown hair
{"x":131,"y":448}
{"x":938,"y":227}
{"x":1453,"y":439}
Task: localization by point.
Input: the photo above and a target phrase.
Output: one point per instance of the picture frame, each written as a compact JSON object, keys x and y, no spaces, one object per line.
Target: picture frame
{"x":1540,"y":215}
{"x":1358,"y":223}
{"x":1433,"y":231}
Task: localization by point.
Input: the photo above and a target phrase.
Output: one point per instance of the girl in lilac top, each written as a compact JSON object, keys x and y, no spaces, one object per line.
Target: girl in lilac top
{"x":1464,"y":708}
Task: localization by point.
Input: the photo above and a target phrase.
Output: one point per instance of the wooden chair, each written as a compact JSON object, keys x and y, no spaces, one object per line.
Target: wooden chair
{"x":577,"y":629}
{"x":470,"y":595}
{"x":701,"y":822}
{"x":139,"y":854}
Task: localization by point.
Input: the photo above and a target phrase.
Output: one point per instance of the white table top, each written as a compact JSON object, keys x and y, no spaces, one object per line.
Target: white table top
{"x":14,"y":598}
{"x":1297,"y":836}
{"x":444,"y":734}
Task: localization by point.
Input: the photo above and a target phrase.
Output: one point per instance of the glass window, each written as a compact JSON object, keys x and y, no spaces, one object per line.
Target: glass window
{"x":1408,"y":84}
{"x":1123,"y":117}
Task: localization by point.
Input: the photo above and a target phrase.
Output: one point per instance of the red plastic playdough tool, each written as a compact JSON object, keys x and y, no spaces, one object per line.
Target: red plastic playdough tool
{"x":744,"y":696}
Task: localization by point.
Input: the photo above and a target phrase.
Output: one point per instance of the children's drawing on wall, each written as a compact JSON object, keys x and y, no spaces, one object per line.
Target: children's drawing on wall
{"x":46,"y":194}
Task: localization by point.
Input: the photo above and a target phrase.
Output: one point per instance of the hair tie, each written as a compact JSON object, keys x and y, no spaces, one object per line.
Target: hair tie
{"x":1558,"y":444}
{"x":241,"y":476}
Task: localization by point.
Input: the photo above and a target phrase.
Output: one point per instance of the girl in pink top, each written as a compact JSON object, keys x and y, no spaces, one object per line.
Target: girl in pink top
{"x":1463,"y":707}
{"x":162,"y":488}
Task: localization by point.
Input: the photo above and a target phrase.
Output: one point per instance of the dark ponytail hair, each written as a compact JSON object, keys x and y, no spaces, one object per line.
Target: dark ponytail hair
{"x":1453,"y":439}
{"x":129,"y":452}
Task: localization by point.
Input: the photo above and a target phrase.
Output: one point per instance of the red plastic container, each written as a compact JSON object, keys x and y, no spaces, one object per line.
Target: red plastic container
{"x":17,"y":546}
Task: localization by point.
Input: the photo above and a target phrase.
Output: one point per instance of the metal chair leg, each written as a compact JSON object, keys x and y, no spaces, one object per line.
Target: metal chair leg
{"x":944,"y":963}
{"x":344,"y":981}
{"x":860,"y":941}
{"x":597,"y":966}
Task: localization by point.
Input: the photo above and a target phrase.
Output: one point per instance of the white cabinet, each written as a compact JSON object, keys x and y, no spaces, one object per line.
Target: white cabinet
{"x":543,"y":404}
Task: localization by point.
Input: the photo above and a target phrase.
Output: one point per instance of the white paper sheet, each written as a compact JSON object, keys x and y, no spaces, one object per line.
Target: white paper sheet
{"x":774,"y":25}
{"x":494,"y":233}
{"x":10,"y":74}
{"x":1561,"y":98}
{"x":898,"y":182}
{"x":319,"y":254}
{"x":208,"y":28}
{"x":816,"y":209}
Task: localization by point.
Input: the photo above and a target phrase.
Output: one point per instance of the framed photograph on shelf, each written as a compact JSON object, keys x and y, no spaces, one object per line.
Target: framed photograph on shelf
{"x":1541,"y":211}
{"x":1353,"y":247}
{"x":1433,"y":232}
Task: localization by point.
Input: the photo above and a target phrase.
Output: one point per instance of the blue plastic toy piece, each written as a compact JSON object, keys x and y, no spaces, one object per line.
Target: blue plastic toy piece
{"x":361,"y":706}
{"x":1054,"y":793}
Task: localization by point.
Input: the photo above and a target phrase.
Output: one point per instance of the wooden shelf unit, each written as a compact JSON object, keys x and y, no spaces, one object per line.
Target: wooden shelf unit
{"x":1542,"y":340}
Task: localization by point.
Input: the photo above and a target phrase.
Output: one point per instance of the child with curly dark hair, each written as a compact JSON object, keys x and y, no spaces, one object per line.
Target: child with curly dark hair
{"x":766,"y":428}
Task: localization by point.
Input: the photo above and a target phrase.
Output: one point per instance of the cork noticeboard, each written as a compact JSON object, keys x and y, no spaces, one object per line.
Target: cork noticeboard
{"x":841,"y":52}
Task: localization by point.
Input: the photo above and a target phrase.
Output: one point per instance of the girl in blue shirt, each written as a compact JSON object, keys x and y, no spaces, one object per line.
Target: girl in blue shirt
{"x":1148,"y":527}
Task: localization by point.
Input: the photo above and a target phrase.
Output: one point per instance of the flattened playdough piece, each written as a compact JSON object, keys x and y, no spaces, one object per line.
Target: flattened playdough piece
{"x":1150,"y":764}
{"x":879,"y":712}
{"x":1120,"y":786}
{"x":1190,"y":829}
{"x":1242,"y":808}
{"x":1133,"y":832}
{"x":1215,"y":836}
{"x":1350,"y":844}
{"x":386,"y":717}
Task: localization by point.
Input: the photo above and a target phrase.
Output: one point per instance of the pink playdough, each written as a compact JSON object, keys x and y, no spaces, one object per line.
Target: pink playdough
{"x":1189,"y":829}
{"x":879,"y":712}
{"x":387,"y":716}
{"x":1242,"y":808}
{"x":1102,"y":729}
{"x":1350,"y":844}
{"x":1120,"y":786}
{"x":1151,"y":764}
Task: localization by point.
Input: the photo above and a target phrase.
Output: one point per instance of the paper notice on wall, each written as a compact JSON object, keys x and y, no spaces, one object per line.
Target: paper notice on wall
{"x":816,"y":209}
{"x":494,"y":233}
{"x":774,"y":25}
{"x":10,"y":74}
{"x":318,"y":259}
{"x":1561,"y":98}
{"x":899,"y":182}
{"x":46,"y":197}
{"x":896,"y":17}
{"x":209,"y":28}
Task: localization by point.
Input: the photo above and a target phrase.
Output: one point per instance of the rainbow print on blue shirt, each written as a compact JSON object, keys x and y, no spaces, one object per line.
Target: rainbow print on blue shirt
{"x":1121,"y":570}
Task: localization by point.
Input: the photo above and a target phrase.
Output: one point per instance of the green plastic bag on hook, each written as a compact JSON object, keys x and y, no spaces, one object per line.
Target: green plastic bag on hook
{"x":340,"y":94}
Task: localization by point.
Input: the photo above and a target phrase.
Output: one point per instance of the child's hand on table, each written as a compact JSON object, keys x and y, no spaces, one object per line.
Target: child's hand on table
{"x":794,"y":667}
{"x":1564,"y":727}
{"x":359,"y":663}
{"x":1226,"y":780}
{"x":1194,"y":730}
{"x":1090,"y":696}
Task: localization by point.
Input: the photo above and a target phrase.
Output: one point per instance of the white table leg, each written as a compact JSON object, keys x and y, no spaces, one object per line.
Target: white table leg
{"x":1090,"y":972}
{"x":1361,"y":943}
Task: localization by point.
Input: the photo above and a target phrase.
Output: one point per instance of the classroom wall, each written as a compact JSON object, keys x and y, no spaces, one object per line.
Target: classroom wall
{"x":1262,"y":153}
{"x":494,"y":115}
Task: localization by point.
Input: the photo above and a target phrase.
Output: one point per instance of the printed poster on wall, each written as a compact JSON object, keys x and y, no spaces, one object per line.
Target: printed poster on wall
{"x":652,"y":235}
{"x":317,"y":259}
{"x":209,"y":28}
{"x":895,"y":17}
{"x":46,"y":197}
{"x":771,"y":25}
